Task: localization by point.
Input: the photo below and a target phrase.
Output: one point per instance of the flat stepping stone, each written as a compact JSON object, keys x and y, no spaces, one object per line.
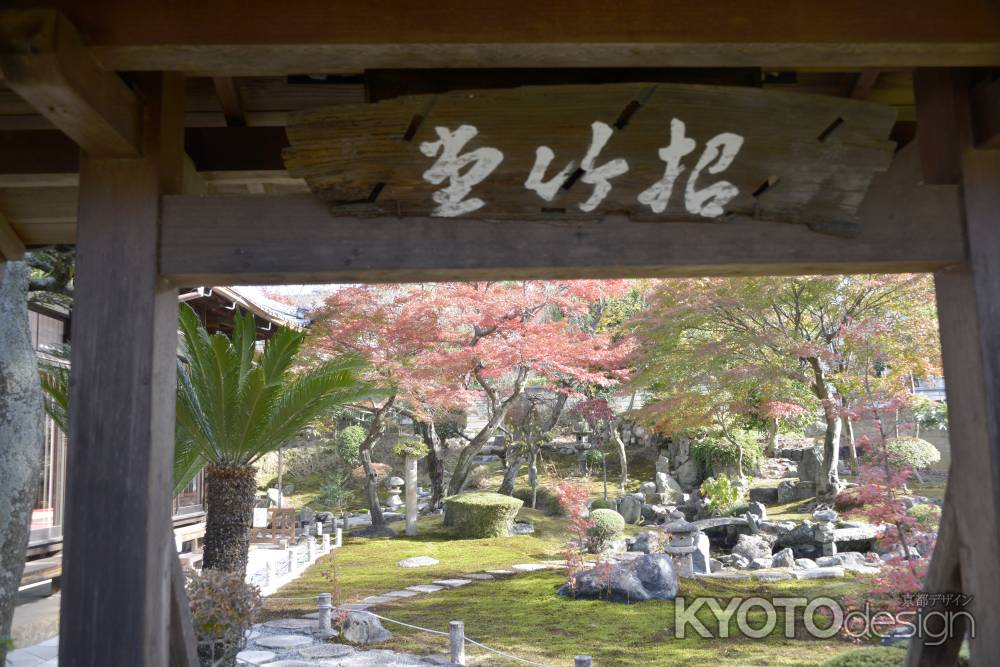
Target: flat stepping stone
{"x":401,"y":594}
{"x":284,"y":641}
{"x":819,"y":573}
{"x":418,"y":561}
{"x":354,"y":606}
{"x":326,"y":651}
{"x":313,"y":615}
{"x":453,"y":583}
{"x":500,"y":572}
{"x":256,"y":657}
{"x":291,"y":663}
{"x":529,"y":567}
{"x":425,"y":588}
{"x":771,"y":576}
{"x":479,"y":576}
{"x":377,"y":599}
{"x":730,"y":576}
{"x":293,"y":624}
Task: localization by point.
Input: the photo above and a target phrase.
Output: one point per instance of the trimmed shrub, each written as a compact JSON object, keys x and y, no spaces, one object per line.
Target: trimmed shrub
{"x":878,"y":656}
{"x":412,"y":448}
{"x":721,"y":497}
{"x":715,"y":450}
{"x":223,"y":607}
{"x":480,"y":514}
{"x":349,"y":442}
{"x":600,"y":504}
{"x":907,"y":451}
{"x":545,"y":500}
{"x":608,"y":526}
{"x":928,"y":516}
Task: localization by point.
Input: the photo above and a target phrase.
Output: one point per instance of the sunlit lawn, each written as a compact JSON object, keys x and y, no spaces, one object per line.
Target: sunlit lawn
{"x":523,"y":614}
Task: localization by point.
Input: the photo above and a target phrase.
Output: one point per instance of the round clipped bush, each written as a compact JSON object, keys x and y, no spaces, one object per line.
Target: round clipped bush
{"x":349,"y":442}
{"x":481,"y":514}
{"x":907,"y":451}
{"x":877,"y":656}
{"x":928,"y":517}
{"x":608,"y":527}
{"x":600,"y":504}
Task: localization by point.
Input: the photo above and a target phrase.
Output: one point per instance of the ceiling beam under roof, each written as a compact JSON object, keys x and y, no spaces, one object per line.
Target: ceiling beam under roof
{"x":341,"y":36}
{"x":11,"y":246}
{"x":45,"y":62}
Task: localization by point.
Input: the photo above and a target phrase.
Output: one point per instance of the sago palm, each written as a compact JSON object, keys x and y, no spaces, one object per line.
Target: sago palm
{"x":233,"y":407}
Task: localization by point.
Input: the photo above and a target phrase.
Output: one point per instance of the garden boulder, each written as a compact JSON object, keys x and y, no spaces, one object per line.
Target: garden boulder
{"x":752,"y":546}
{"x":363,"y":628}
{"x":480,"y":514}
{"x":648,"y":577}
{"x":630,"y":508}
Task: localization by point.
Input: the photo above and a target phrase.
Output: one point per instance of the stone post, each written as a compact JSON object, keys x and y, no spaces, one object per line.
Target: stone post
{"x":292,"y":564}
{"x":268,"y":574}
{"x":326,"y":543}
{"x":319,"y":528}
{"x":582,"y":661}
{"x":325,"y":602}
{"x":311,"y":547}
{"x":410,"y":476}
{"x":824,"y":531}
{"x":339,"y":540}
{"x":457,"y":636}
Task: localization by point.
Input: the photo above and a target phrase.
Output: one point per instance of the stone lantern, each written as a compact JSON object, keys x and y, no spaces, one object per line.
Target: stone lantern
{"x":681,"y":544}
{"x":823,"y":532}
{"x":581,"y":430}
{"x":395,"y":488}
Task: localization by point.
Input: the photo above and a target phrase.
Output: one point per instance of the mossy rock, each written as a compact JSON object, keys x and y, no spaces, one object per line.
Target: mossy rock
{"x":877,"y":656}
{"x":481,"y":514}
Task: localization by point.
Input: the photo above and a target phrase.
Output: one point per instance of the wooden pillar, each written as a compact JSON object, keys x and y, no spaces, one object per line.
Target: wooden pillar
{"x":116,"y":597}
{"x":967,"y":556}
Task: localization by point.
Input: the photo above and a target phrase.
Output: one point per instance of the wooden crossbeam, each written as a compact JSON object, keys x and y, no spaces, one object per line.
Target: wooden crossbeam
{"x":45,"y":61}
{"x":260,"y":239}
{"x":229,"y":97}
{"x":985,"y":103}
{"x":11,"y":246}
{"x":341,"y":36}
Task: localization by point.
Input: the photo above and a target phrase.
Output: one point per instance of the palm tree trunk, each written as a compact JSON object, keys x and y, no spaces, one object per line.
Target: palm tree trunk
{"x":229,"y":496}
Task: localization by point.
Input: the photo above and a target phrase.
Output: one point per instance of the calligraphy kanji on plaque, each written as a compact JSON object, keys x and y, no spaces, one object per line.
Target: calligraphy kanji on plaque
{"x":654,"y":152}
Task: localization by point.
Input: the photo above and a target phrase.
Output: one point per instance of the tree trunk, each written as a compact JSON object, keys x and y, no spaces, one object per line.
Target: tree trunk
{"x":848,"y":430}
{"x":21,"y":435}
{"x":460,"y":476}
{"x":828,"y":484}
{"x":435,"y":463}
{"x":229,"y":499}
{"x":623,"y":460}
{"x":510,"y":475}
{"x":375,"y":431}
{"x":772,"y":437}
{"x":533,"y":475}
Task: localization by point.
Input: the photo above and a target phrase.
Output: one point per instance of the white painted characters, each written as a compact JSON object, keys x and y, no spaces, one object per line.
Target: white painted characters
{"x":599,"y":177}
{"x":449,"y":166}
{"x":465,"y":170}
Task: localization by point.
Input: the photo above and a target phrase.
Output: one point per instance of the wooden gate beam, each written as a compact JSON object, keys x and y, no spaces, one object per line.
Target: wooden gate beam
{"x":45,"y":62}
{"x":258,"y":239}
{"x":116,"y":568}
{"x":968,"y":299}
{"x":342,"y":36}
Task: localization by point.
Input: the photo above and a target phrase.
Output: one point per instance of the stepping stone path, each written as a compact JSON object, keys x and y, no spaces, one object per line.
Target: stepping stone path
{"x":529,"y":567}
{"x":418,"y":561}
{"x":479,"y":576}
{"x":500,"y":572}
{"x":425,"y":588}
{"x":257,"y":657}
{"x":453,"y":583}
{"x":283,"y":641}
{"x":293,"y":624}
{"x":401,"y":594}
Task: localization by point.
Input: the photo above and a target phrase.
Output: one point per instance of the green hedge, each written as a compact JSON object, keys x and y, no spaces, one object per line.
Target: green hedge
{"x":608,"y":526}
{"x":600,"y":504}
{"x":481,"y":514}
{"x":878,"y":656}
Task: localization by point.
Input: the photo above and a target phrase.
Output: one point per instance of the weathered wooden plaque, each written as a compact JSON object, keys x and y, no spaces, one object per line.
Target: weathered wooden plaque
{"x":656,"y":152}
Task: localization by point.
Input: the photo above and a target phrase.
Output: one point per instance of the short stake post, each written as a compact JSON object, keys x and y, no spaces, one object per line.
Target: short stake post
{"x":339,"y":539}
{"x":292,"y":560}
{"x":326,"y":543}
{"x":457,"y":635}
{"x":325,"y":602}
{"x":582,"y":661}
